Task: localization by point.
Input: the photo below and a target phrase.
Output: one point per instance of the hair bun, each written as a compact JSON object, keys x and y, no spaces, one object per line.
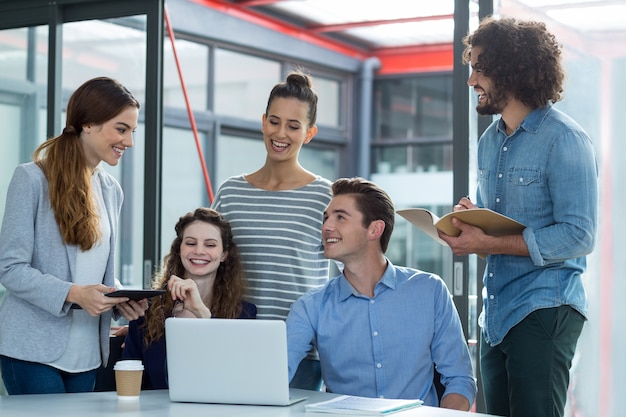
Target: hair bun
{"x":299,"y":79}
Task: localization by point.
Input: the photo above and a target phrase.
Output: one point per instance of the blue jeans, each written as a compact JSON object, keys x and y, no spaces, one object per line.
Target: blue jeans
{"x":528,"y":373}
{"x":22,"y":377}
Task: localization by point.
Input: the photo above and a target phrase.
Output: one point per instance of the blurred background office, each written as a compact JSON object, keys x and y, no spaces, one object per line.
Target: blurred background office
{"x":394,"y":107}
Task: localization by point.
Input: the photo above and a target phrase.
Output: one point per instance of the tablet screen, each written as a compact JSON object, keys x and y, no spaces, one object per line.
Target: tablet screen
{"x":135,"y":294}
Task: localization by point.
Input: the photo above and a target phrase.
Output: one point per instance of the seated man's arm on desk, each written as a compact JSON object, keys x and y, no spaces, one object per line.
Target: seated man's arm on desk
{"x":451,"y":354}
{"x":300,"y":333}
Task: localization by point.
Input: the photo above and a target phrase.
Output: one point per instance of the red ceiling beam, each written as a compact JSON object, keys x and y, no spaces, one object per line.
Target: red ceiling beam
{"x":249,"y":15}
{"x":251,"y":3}
{"x":415,"y":59}
{"x":351,"y":25}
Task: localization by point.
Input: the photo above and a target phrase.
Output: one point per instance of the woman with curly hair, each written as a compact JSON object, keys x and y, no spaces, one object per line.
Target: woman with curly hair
{"x":203,"y":277}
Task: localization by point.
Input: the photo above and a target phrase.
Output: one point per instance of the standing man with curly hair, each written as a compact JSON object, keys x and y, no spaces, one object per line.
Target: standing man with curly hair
{"x":536,"y":165}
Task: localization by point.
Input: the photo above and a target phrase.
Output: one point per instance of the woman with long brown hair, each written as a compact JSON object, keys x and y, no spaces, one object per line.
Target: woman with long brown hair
{"x":203,"y":277}
{"x":57,"y":248}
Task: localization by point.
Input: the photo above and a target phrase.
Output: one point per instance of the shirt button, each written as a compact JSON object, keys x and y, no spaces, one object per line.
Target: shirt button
{"x":491,"y":297}
{"x":490,"y":274}
{"x":371,"y":301}
{"x":505,"y":149}
{"x":500,"y":175}
{"x":521,"y":179}
{"x":375,"y":333}
{"x":497,"y":200}
{"x":379,"y":365}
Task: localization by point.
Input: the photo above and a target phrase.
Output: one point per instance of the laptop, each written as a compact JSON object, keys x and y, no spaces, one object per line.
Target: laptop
{"x":227,"y":361}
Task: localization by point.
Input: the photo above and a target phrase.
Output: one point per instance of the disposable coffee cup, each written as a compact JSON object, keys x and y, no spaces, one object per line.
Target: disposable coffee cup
{"x":128,"y":374}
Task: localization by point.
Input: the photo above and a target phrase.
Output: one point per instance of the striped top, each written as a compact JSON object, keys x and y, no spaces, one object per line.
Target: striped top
{"x":279,"y":235}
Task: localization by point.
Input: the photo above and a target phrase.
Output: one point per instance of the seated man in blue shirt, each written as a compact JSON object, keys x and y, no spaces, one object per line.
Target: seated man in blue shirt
{"x":379,"y":328}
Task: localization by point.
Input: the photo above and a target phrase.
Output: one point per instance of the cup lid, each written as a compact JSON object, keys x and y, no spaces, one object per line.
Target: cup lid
{"x":129,"y":365}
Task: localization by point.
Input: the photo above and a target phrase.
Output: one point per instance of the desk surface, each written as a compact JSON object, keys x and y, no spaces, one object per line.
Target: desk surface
{"x":158,"y":404}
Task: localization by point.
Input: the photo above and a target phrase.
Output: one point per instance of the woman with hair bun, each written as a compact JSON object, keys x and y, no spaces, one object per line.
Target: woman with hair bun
{"x":276,"y":212}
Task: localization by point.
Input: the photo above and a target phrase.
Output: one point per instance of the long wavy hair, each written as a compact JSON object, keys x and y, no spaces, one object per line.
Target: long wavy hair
{"x":228,"y":288}
{"x":64,"y":163}
{"x":520,"y":57}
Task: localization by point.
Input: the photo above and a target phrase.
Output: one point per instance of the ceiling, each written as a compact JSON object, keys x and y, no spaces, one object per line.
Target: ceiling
{"x":372,"y":25}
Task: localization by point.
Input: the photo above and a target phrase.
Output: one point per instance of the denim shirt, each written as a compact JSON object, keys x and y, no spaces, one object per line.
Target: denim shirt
{"x":544,"y":175}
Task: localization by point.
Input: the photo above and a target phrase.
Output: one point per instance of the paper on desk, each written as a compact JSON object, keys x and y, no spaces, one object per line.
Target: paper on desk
{"x":349,"y":404}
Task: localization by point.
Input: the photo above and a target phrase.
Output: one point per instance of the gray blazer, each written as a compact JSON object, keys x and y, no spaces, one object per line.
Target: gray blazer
{"x":37,"y":267}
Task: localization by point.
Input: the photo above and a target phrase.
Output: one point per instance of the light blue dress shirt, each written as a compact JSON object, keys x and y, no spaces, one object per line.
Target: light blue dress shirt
{"x":386,"y":345}
{"x":544,"y":175}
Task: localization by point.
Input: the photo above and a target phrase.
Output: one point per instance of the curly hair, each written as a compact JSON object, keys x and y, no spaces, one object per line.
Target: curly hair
{"x":64,"y":163}
{"x":520,"y":57}
{"x":300,"y":86}
{"x":228,"y":288}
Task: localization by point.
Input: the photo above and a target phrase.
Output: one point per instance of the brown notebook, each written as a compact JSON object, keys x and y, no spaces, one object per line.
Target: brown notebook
{"x":492,"y":223}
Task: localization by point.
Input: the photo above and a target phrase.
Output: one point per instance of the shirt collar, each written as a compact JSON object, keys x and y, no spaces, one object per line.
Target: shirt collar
{"x":388,"y":280}
{"x":532,"y":122}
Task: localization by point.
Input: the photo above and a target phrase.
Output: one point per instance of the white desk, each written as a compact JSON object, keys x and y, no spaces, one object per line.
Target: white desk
{"x":158,"y":404}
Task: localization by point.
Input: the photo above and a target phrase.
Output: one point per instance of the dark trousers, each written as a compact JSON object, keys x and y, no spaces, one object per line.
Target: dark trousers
{"x":527,"y":374}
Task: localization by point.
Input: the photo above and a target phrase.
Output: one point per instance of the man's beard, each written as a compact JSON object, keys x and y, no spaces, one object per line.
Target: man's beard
{"x":493,"y":103}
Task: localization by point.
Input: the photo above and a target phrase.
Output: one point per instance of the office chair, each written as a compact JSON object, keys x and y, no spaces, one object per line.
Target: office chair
{"x":308,"y":375}
{"x":105,"y":376}
{"x":438,"y":385}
